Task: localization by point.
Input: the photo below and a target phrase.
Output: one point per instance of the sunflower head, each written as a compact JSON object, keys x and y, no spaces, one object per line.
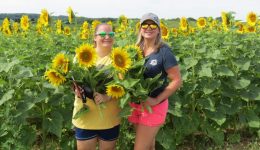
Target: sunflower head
{"x":86,"y":55}
{"x":24,"y":22}
{"x":251,"y":29}
{"x":94,"y":24}
{"x":115,"y":91}
{"x":67,"y":30}
{"x":120,"y":60}
{"x":44,"y":17}
{"x":251,"y":18}
{"x":135,"y":52}
{"x":183,"y":24}
{"x":175,"y":32}
{"x":123,"y":20}
{"x":71,"y":14}
{"x":15,"y":27}
{"x":61,"y":62}
{"x":201,"y":23}
{"x":240,"y":27}
{"x":54,"y":77}
{"x":165,"y":31}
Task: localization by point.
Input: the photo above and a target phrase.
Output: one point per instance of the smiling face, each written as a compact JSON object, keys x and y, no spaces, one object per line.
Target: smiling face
{"x":149,"y":30}
{"x":104,"y":42}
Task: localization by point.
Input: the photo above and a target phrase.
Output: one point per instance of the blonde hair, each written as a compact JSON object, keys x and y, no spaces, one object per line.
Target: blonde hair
{"x":158,"y":42}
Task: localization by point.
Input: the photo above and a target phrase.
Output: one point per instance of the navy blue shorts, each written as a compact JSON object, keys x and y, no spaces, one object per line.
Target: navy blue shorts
{"x":104,"y":134}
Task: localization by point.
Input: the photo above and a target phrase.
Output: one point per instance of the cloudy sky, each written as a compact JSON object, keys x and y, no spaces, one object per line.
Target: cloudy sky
{"x":134,"y":8}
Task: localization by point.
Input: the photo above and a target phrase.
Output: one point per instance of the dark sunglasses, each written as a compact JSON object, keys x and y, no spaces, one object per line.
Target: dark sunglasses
{"x":103,"y":34}
{"x":146,"y":25}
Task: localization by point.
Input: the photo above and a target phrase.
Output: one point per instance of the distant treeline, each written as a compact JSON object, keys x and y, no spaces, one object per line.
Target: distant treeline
{"x":33,"y":17}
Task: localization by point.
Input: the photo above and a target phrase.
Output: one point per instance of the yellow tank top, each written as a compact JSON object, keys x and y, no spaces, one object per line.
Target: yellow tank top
{"x":97,"y":117}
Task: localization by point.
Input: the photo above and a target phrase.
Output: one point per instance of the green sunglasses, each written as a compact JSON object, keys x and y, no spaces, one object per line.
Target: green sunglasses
{"x":103,"y":34}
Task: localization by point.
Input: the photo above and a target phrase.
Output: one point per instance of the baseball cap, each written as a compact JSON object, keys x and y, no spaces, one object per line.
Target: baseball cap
{"x":150,"y":16}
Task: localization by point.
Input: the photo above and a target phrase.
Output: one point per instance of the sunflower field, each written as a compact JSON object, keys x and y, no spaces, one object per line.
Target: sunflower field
{"x":218,"y":103}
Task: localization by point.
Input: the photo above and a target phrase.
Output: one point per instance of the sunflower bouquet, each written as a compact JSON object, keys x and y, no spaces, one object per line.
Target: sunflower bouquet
{"x":130,"y":85}
{"x":80,"y":72}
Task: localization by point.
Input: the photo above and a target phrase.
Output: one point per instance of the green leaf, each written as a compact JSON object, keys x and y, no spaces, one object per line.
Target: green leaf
{"x":233,"y":138}
{"x":7,"y":66}
{"x":216,"y":134}
{"x":240,"y":84}
{"x":205,"y":72}
{"x":28,"y":136}
{"x":24,"y":73}
{"x":166,"y":138}
{"x":218,"y":117}
{"x":7,"y":96}
{"x":126,"y":111}
{"x":124,"y":100}
{"x":223,"y":71}
{"x":243,"y":63}
{"x":207,"y":104}
{"x":211,"y":85}
{"x":129,"y":83}
{"x":190,"y":62}
{"x":54,"y":123}
{"x":252,"y":119}
{"x":252,"y":93}
{"x":81,"y":112}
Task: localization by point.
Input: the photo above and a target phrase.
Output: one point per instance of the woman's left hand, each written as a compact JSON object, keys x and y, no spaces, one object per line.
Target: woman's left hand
{"x":151,"y":101}
{"x":100,"y":98}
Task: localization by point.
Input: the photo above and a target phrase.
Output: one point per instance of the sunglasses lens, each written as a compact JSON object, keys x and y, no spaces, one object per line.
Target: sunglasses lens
{"x":153,"y":26}
{"x":102,"y":34}
{"x":145,"y":26}
{"x":111,"y":34}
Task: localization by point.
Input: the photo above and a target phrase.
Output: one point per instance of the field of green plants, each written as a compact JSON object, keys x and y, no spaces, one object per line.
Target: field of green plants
{"x":218,"y":103}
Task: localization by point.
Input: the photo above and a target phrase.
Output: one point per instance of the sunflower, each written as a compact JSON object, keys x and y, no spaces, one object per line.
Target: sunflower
{"x":174,"y":32}
{"x":121,"y":60}
{"x":59,"y":26}
{"x":137,"y":27}
{"x":165,"y":32}
{"x":39,"y":27}
{"x":138,"y":54}
{"x":251,"y":29}
{"x":54,"y":77}
{"x":183,"y":24}
{"x":16,"y":27}
{"x":251,"y":18}
{"x":6,"y":23}
{"x":44,"y":17}
{"x":71,"y":14}
{"x":213,"y":24}
{"x":115,"y":91}
{"x":84,"y":26}
{"x":225,"y":20}
{"x":60,"y":61}
{"x":84,"y":34}
{"x":110,"y":23}
{"x":122,"y":20}
{"x":25,"y":22}
{"x":240,"y":27}
{"x":94,"y":24}
{"x":67,"y":30}
{"x":201,"y":23}
{"x":86,"y":55}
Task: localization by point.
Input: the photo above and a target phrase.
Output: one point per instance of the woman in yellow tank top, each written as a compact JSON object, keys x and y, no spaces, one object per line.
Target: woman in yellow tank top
{"x":92,"y":128}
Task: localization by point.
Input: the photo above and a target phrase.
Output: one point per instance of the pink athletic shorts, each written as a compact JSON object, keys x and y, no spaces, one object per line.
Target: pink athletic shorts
{"x":141,"y":115}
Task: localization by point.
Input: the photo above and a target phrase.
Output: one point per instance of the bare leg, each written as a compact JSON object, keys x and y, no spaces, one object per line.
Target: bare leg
{"x":145,"y":137}
{"x":107,"y":145}
{"x":87,"y":144}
